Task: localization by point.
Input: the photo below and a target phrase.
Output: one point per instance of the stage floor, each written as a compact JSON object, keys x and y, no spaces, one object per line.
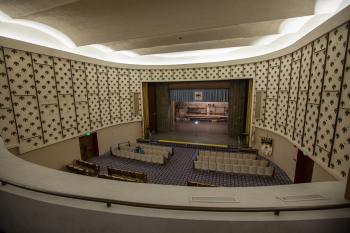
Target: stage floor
{"x":204,"y":132}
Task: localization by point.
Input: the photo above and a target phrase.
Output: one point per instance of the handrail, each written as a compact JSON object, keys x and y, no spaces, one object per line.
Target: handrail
{"x":109,"y":202}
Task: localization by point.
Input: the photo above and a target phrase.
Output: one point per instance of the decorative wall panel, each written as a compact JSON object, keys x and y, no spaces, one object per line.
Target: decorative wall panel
{"x":8,"y":130}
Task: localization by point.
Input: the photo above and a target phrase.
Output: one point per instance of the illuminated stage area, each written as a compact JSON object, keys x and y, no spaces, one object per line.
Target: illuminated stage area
{"x":200,"y":112}
{"x":202,"y":132}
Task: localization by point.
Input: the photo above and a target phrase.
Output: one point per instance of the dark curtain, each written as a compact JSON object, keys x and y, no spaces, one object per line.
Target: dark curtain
{"x":163,"y":107}
{"x":238,"y":97}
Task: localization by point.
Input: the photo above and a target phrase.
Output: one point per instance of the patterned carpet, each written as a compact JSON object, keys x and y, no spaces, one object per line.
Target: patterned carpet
{"x":179,"y":169}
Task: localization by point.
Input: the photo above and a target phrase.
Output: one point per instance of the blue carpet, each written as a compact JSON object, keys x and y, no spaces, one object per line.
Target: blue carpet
{"x":179,"y":169}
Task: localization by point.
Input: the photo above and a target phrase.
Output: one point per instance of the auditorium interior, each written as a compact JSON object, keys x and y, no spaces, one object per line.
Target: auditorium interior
{"x":180,"y":116}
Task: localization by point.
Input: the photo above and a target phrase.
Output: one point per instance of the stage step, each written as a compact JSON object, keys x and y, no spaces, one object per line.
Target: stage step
{"x":196,"y":145}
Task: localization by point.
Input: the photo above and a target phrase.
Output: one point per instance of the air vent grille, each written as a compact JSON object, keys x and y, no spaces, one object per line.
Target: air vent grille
{"x":214,"y":199}
{"x":296,"y":198}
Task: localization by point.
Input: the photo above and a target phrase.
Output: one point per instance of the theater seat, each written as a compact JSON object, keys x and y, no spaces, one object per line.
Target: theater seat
{"x":261,"y":171}
{"x":228,"y":168}
{"x":219,"y":159}
{"x":212,"y":159}
{"x":212,"y":166}
{"x":264,"y":163}
{"x":256,"y":163}
{"x":226,"y":160}
{"x":198,"y":165}
{"x":236,"y":168}
{"x":205,"y":166}
{"x":220,"y":167}
{"x":244,"y":169}
{"x":269,"y":171}
{"x":252,"y":170}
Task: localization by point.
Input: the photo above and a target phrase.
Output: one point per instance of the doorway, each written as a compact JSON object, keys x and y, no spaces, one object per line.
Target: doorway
{"x":303,"y":169}
{"x":88,"y":146}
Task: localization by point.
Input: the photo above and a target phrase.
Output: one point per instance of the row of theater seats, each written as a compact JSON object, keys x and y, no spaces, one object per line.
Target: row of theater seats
{"x":236,"y":169}
{"x":90,"y":169}
{"x":164,"y":151}
{"x":123,"y":175}
{"x":233,"y":161}
{"x":83,"y":168}
{"x":198,"y":184}
{"x":169,"y":149}
{"x":150,"y":158}
{"x":227,"y":155}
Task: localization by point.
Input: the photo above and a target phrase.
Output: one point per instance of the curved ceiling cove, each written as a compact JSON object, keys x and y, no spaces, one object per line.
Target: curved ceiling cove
{"x":218,"y":36}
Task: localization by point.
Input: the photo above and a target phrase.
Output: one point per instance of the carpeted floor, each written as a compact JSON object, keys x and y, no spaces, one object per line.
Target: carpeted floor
{"x":179,"y":169}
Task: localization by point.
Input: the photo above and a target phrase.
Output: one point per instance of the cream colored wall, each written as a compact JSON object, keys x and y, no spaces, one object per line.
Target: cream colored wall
{"x":284,"y":153}
{"x":319,"y":174}
{"x":120,"y":133}
{"x":54,"y":156}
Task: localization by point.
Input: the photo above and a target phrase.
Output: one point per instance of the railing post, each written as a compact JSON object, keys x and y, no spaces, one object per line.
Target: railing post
{"x":109,"y":204}
{"x":276,"y":213}
{"x":3,"y":183}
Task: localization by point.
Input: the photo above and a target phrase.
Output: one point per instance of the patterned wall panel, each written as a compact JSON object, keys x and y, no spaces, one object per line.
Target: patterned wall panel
{"x":8,"y":130}
{"x":81,"y":97}
{"x":135,"y":92}
{"x":224,"y":72}
{"x":261,"y":75}
{"x":51,"y":123}
{"x":270,"y":113}
{"x":113,"y":88}
{"x":63,"y":76}
{"x":200,"y":74}
{"x":293,"y":93}
{"x":260,"y":85}
{"x":145,"y":75}
{"x":310,"y":128}
{"x":283,"y":90}
{"x":178,"y":74}
{"x":314,"y":94}
{"x":273,"y":79}
{"x":237,"y":71}
{"x":68,"y":115}
{"x":303,"y":89}
{"x":213,"y":73}
{"x":65,"y":96}
{"x":340,"y":161}
{"x":188,"y":74}
{"x":93,"y":95}
{"x":167,"y":75}
{"x":249,"y":70}
{"x":103,"y":93}
{"x":124,"y":92}
{"x":79,"y":85}
{"x":25,"y":102}
{"x":272,"y":90}
{"x":47,"y":96}
{"x":157,"y":75}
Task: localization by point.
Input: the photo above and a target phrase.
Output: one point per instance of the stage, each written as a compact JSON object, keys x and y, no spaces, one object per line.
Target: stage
{"x":203,"y":132}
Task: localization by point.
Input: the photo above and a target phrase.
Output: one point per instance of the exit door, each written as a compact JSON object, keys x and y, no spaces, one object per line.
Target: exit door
{"x":88,"y":146}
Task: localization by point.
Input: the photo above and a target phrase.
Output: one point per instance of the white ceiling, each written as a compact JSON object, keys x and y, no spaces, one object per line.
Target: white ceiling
{"x":142,"y":25}
{"x":142,"y":30}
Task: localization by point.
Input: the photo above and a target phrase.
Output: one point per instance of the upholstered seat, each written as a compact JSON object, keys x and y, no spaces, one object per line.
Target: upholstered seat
{"x":228,"y":168}
{"x":236,"y":168}
{"x":220,"y":167}
{"x":252,"y":170}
